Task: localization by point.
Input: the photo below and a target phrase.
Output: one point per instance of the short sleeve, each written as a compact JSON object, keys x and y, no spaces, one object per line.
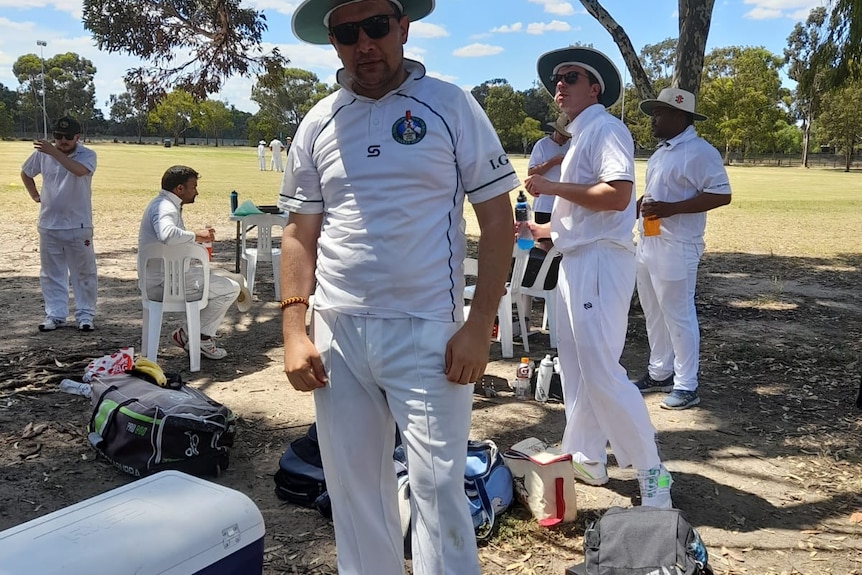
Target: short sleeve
{"x":300,"y":186}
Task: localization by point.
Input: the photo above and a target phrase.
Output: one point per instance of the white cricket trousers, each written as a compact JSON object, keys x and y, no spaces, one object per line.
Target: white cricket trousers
{"x":666,"y":280}
{"x":223,"y":292}
{"x":65,"y":255}
{"x":596,"y":284}
{"x":384,"y":372}
{"x":261,"y":163}
{"x":276,"y":162}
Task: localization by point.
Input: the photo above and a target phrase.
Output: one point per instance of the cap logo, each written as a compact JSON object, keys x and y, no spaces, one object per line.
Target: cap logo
{"x":679,"y":99}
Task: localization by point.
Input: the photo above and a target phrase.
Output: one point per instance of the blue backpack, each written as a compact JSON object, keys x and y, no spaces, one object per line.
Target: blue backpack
{"x":488,"y":486}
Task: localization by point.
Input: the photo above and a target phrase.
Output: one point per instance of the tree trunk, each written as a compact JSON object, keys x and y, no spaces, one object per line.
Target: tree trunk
{"x":695,"y":17}
{"x":630,"y":56}
{"x":806,"y":139}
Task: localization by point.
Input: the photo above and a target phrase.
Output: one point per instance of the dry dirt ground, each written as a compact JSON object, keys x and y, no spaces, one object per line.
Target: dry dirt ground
{"x":768,"y":467}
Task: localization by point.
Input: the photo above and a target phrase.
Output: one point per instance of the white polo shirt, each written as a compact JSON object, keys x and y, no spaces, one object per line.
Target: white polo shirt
{"x":544,"y":150}
{"x":66,"y":199}
{"x":601,"y":150}
{"x":680,"y":169}
{"x":390,"y":177}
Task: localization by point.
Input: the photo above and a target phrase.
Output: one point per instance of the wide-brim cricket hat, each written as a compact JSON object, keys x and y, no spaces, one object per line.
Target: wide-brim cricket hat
{"x":591,"y":60}
{"x":673,"y":98}
{"x":244,"y":299}
{"x":262,"y":142}
{"x":310,"y":19}
{"x":560,"y":125}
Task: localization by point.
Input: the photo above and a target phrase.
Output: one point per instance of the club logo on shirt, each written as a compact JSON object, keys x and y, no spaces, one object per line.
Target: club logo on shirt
{"x":409,"y":130}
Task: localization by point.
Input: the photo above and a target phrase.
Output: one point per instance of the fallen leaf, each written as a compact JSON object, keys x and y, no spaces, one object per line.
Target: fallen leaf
{"x":856,"y":517}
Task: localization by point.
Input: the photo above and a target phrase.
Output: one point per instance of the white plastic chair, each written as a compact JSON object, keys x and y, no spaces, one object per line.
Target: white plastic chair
{"x":264,"y":251}
{"x":176,"y":259}
{"x":505,"y":327}
{"x":523,"y":298}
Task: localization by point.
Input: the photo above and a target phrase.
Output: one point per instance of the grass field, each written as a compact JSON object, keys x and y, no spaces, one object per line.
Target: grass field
{"x":781,"y":211}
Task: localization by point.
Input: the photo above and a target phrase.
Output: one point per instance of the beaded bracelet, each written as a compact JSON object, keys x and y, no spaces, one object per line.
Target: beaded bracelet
{"x":285,"y":303}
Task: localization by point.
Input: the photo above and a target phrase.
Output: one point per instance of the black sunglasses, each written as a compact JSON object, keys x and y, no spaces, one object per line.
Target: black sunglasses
{"x":63,"y":137}
{"x":375,"y":27}
{"x":569,"y":78}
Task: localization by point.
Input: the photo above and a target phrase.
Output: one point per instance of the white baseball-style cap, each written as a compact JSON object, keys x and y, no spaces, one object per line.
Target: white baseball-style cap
{"x":672,"y":98}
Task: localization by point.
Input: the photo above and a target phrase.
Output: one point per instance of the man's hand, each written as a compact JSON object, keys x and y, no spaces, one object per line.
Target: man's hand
{"x":657,"y":209}
{"x":538,"y":185}
{"x":467,"y":353}
{"x":302,"y":364}
{"x":206,"y":235}
{"x":46,"y":147}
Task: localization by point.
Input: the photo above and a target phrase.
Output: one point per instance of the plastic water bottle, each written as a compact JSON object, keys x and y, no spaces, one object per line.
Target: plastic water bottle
{"x":522,"y":378}
{"x":76,"y":388}
{"x":234,"y":200}
{"x":522,"y":217}
{"x":543,"y":380}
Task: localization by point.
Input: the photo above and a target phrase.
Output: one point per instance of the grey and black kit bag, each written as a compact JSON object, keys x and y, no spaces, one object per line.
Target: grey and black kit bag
{"x":142,"y":428}
{"x":642,"y":541}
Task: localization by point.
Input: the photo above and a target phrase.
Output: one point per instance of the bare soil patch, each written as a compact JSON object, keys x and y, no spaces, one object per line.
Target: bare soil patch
{"x":769,"y":467}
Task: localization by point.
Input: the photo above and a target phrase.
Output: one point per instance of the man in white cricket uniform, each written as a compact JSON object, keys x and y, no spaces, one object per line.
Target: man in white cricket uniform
{"x":65,"y":224}
{"x":261,"y":155}
{"x":545,"y":160}
{"x":591,"y":225}
{"x":376,"y":181}
{"x":276,"y":162}
{"x":685,"y":178}
{"x":162,"y":222}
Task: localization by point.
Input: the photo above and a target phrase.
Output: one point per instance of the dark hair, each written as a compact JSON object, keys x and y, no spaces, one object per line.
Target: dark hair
{"x":689,"y":119}
{"x":591,"y":78}
{"x":177,"y":176}
{"x":397,"y":14}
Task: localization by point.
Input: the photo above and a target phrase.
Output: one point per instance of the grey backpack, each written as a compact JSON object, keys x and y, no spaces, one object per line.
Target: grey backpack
{"x":642,"y":541}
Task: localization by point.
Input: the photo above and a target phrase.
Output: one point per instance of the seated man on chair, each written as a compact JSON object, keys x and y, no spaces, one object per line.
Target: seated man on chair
{"x":163,"y":222}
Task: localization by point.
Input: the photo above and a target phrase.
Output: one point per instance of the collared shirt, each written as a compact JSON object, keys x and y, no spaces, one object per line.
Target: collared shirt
{"x":66,"y":199}
{"x":680,"y":169}
{"x":163,"y":222}
{"x":390,"y":177}
{"x":601,"y":150}
{"x":544,"y":150}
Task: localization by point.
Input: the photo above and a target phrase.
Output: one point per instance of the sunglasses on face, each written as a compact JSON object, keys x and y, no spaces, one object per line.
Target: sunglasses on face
{"x":569,"y":78}
{"x":375,"y":27}
{"x":63,"y":137}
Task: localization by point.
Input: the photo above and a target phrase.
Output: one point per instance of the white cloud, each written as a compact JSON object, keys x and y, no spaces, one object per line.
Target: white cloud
{"x":445,"y":77}
{"x":73,"y":7}
{"x":9,"y":25}
{"x":279,"y":6}
{"x":556,"y":7}
{"x":508,"y":29}
{"x":537,"y":28}
{"x":477,"y":51}
{"x":425,"y":30}
{"x":771,"y":9}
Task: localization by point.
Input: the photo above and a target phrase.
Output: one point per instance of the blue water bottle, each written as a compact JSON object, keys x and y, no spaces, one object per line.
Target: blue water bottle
{"x":234,"y":199}
{"x":522,"y":217}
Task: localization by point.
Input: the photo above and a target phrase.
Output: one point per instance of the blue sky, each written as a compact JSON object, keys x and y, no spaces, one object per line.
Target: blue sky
{"x":463,"y":41}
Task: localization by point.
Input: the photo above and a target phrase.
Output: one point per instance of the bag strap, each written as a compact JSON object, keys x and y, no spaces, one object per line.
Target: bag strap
{"x":486,"y":530}
{"x":559,"y":494}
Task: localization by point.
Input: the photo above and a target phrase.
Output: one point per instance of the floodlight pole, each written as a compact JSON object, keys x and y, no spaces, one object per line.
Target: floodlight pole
{"x":42,"y":44}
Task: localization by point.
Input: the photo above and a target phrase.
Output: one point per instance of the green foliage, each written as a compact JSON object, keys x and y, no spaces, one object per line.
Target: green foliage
{"x":69,"y":87}
{"x":6,"y":122}
{"x":480,"y":92}
{"x":174,"y":113}
{"x":505,"y":109}
{"x":742,"y":95}
{"x":286,"y":97}
{"x":213,"y":118}
{"x":539,"y":104}
{"x":220,"y":39}
{"x":128,"y":113}
{"x":529,"y":131}
{"x":841,"y":119}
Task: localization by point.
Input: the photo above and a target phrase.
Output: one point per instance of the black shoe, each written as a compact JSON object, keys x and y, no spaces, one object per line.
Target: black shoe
{"x":646,"y":384}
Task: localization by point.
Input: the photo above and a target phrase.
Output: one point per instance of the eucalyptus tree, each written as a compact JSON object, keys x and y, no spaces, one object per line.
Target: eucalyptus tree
{"x":190,"y":45}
